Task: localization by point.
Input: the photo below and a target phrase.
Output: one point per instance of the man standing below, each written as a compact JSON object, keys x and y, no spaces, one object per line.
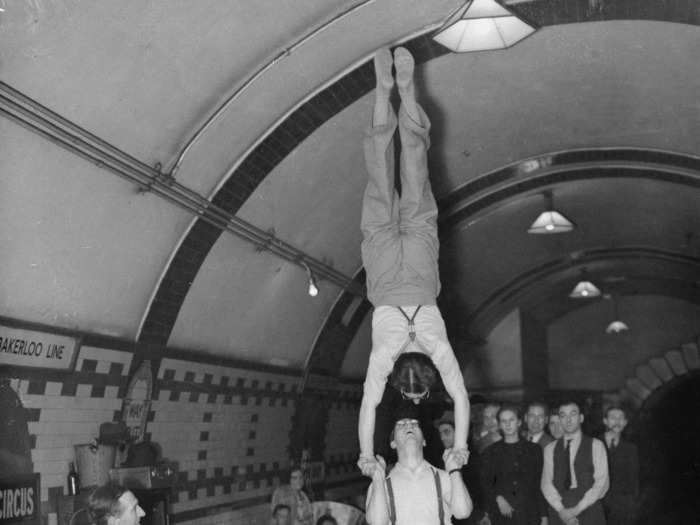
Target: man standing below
{"x":575,"y":474}
{"x":113,"y":505}
{"x":510,"y":476}
{"x":415,"y":492}
{"x":554,"y":425}
{"x":623,"y":462}
{"x":470,"y":472}
{"x":536,"y":420}
{"x":487,"y":432}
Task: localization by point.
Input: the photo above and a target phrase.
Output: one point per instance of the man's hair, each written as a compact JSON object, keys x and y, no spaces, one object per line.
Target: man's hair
{"x":413,"y":373}
{"x":569,"y":401}
{"x":279,"y":507}
{"x":103,"y":502}
{"x":508,"y":407}
{"x":540,"y":404}
{"x":326,"y":518}
{"x":615,"y":407}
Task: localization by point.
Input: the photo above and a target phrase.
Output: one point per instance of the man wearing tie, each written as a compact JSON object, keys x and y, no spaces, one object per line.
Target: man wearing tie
{"x":536,"y":420}
{"x":575,"y":474}
{"x":623,"y":463}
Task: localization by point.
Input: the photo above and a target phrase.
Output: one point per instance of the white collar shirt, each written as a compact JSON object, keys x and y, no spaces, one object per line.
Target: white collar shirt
{"x":415,"y":494}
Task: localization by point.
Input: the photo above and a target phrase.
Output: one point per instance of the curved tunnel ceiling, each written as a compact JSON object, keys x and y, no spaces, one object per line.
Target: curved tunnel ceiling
{"x":285,"y":156}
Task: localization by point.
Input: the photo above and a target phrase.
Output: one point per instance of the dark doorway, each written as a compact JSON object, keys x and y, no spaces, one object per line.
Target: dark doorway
{"x":669,"y":438}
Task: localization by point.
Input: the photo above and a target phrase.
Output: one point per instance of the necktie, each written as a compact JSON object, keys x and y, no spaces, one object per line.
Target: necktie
{"x":567,"y":449}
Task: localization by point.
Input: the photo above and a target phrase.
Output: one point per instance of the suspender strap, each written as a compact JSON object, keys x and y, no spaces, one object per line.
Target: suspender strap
{"x":392,"y":505}
{"x":411,"y":321}
{"x":438,"y":487}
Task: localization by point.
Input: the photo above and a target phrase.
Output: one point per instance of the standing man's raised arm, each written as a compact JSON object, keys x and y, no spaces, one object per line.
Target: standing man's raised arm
{"x":461,"y":504}
{"x":377,"y":500}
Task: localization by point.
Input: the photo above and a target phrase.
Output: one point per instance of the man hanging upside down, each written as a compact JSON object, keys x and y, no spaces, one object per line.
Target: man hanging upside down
{"x":400,"y":255}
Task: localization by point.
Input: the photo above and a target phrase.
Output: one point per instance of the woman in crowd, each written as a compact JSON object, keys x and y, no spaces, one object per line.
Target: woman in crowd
{"x":294,"y":497}
{"x":510,"y":475}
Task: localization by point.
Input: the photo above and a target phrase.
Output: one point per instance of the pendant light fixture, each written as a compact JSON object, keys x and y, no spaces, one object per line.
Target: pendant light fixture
{"x":550,"y":220}
{"x":616,"y":326}
{"x":482,"y":25}
{"x":584,"y":289}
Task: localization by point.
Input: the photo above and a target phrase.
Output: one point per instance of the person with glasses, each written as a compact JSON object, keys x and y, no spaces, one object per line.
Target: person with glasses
{"x":400,"y":255}
{"x":415,"y":492}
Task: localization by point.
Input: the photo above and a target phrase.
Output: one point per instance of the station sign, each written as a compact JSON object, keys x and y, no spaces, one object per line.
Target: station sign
{"x":20,"y":498}
{"x":36,"y":349}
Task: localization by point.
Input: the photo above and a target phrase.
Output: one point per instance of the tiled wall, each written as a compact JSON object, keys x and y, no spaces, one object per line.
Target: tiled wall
{"x":227,"y":427}
{"x":67,"y":410}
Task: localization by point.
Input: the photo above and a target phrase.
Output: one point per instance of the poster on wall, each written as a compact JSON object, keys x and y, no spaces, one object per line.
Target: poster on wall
{"x":20,"y":497}
{"x":32,"y":348}
{"x":137,"y":402}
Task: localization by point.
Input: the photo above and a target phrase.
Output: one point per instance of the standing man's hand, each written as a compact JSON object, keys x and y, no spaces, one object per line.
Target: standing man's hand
{"x":544,"y":520}
{"x":453,"y":459}
{"x":462,"y":454}
{"x":366,"y":465}
{"x":568,"y":516}
{"x":379,"y":472}
{"x":504,"y":507}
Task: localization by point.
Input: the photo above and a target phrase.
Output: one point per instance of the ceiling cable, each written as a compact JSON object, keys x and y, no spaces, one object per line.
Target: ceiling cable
{"x":27,"y":112}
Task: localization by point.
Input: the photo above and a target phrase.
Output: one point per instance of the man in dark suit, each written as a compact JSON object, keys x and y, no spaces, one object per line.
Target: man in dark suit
{"x":623,"y":465}
{"x":536,"y":420}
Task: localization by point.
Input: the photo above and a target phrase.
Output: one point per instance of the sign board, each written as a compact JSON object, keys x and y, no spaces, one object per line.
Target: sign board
{"x":31,"y":348}
{"x":20,"y":498}
{"x":137,"y":402}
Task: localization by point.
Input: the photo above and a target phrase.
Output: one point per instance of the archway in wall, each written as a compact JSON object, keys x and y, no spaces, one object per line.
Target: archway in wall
{"x":668,"y":434}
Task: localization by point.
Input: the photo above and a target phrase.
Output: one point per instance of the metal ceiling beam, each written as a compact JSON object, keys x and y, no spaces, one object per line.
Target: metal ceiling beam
{"x":27,"y":112}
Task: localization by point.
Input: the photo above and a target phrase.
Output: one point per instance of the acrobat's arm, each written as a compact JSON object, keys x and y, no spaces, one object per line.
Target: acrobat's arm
{"x":446,"y":363}
{"x":378,"y":371}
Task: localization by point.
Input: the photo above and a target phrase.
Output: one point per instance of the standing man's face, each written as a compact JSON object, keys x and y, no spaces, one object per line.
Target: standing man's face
{"x":447,"y":435}
{"x":615,"y":420}
{"x":130,"y":513}
{"x":535,"y":419}
{"x":555,"y":426}
{"x":509,"y":423}
{"x":571,"y":418}
{"x":489,"y":418}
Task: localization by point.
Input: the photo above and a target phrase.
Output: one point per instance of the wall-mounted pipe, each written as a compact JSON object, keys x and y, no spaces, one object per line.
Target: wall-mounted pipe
{"x":27,"y":112}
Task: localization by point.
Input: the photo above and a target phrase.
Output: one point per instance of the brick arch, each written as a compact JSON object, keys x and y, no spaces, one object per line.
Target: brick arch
{"x":657,"y":372}
{"x":180,"y":273}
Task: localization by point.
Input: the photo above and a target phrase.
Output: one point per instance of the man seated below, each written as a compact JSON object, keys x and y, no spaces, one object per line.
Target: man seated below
{"x":113,"y":505}
{"x":414,"y":492}
{"x":281,"y":514}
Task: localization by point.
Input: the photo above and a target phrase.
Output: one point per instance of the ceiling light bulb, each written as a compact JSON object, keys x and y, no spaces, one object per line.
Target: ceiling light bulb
{"x":313,"y":289}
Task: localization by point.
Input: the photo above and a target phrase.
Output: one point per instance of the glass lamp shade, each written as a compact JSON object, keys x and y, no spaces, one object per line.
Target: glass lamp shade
{"x":584,"y":290}
{"x":551,"y":222}
{"x":484,"y":25}
{"x":616,"y":327}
